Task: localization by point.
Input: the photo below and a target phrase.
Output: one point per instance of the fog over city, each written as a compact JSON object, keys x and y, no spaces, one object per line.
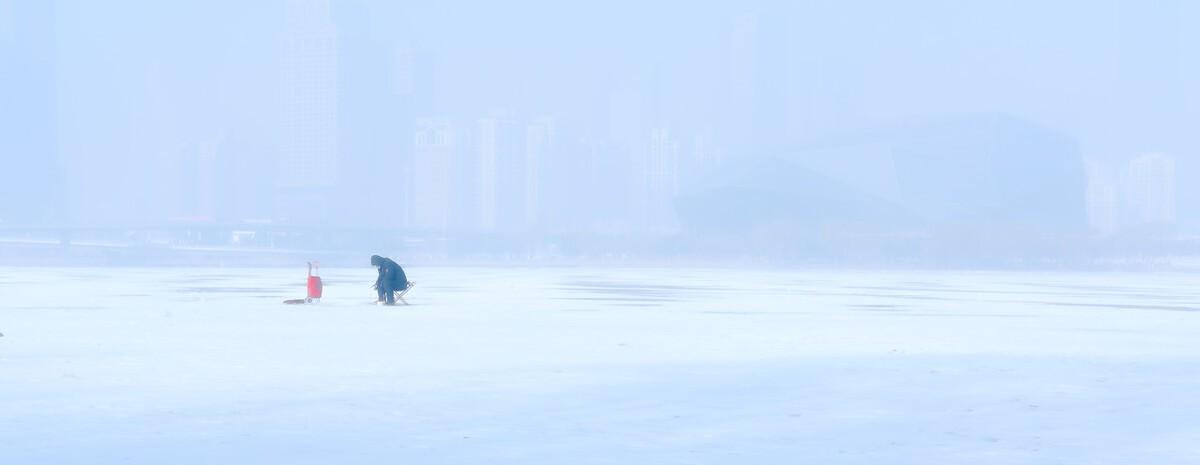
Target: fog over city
{"x":837,"y":232}
{"x":917,"y":133}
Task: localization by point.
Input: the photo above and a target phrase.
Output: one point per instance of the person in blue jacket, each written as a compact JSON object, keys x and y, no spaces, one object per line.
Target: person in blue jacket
{"x":391,"y":279}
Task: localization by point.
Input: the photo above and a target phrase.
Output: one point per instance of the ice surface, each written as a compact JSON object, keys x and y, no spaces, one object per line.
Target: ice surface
{"x":580,"y":366}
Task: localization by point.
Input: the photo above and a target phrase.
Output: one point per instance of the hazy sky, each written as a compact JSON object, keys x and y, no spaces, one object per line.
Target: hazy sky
{"x":137,"y":83}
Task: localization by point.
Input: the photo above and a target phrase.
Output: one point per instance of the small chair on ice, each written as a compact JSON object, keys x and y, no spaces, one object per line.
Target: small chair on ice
{"x":399,"y":294}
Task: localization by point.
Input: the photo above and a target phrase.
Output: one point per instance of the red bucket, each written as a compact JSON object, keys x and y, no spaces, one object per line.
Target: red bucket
{"x":314,"y":283}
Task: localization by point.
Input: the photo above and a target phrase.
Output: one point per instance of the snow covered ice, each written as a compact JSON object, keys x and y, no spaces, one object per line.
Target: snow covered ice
{"x":581,"y":366}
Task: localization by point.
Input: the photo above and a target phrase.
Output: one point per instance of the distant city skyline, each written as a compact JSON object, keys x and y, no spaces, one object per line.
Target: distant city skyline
{"x":534,"y":119}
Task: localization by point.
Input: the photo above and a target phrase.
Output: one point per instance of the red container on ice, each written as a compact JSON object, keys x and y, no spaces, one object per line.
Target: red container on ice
{"x":314,"y":283}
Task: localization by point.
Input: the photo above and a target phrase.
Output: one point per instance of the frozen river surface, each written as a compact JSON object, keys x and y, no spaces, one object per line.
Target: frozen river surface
{"x":590,"y":366}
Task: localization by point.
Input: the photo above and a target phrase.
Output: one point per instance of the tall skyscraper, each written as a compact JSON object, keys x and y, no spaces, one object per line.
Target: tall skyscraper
{"x":7,"y":24}
{"x":703,"y":159}
{"x":28,"y":116}
{"x":198,"y":184}
{"x":757,"y":99}
{"x":487,"y":151}
{"x":308,"y":164}
{"x":501,"y":174}
{"x":1150,"y":189}
{"x":600,"y":189}
{"x":770,"y":116}
{"x":431,"y":201}
{"x":539,"y":147}
{"x":379,"y":84}
{"x":658,"y":181}
{"x":1101,"y":199}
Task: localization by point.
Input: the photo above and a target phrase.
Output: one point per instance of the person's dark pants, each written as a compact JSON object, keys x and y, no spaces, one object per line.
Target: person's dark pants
{"x":387,"y":293}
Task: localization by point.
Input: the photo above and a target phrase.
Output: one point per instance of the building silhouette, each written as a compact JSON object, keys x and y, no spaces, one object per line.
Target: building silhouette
{"x":432,"y":168}
{"x":955,"y":173}
{"x":1150,"y":189}
{"x":540,"y":146}
{"x":500,"y":180}
{"x":1102,"y":199}
{"x":657,"y":181}
{"x":381,"y":88}
{"x":28,"y":116}
{"x":308,"y":162}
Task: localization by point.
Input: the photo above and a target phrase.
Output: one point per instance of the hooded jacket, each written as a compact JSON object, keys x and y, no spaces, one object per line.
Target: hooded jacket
{"x":389,"y":272}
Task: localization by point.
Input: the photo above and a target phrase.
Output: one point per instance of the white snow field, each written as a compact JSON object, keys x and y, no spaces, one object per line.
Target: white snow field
{"x":599,"y":366}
